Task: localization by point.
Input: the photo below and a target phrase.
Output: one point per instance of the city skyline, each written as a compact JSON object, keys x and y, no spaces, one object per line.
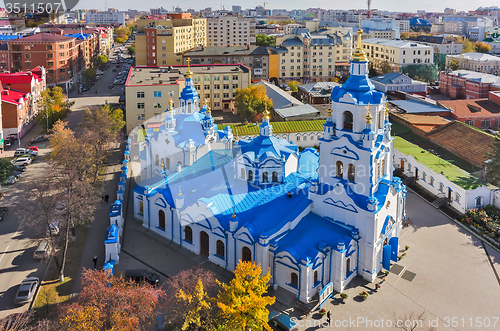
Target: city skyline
{"x":385,"y":5}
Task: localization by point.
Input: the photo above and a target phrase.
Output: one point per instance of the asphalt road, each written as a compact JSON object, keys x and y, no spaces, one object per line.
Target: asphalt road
{"x":16,"y":247}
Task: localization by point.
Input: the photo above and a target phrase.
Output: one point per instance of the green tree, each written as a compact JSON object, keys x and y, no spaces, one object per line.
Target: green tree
{"x":54,"y":106}
{"x":6,"y":169}
{"x":131,"y":50}
{"x":243,"y":303}
{"x":293,"y":85}
{"x":264,"y":40}
{"x":493,"y":164}
{"x":482,"y":47}
{"x":89,"y":73}
{"x":251,"y":101}
{"x":101,"y":60}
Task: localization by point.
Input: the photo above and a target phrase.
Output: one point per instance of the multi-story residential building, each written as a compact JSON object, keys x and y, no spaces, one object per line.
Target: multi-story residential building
{"x":105,"y":18}
{"x":230,"y":31}
{"x":310,"y":57}
{"x":442,"y":47}
{"x":480,"y":62}
{"x":398,"y":53}
{"x":148,"y":89}
{"x":15,"y":112}
{"x":403,"y":25}
{"x":161,"y":40}
{"x":466,"y":84}
{"x":254,"y":57}
{"x":58,"y":54}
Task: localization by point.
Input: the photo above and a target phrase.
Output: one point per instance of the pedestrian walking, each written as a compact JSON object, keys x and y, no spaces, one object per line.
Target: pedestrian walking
{"x":95,"y":261}
{"x":106,"y":198}
{"x":102,"y":198}
{"x":328,"y":318}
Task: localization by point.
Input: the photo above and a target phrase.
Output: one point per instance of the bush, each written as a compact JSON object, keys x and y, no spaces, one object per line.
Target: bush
{"x":343,"y":295}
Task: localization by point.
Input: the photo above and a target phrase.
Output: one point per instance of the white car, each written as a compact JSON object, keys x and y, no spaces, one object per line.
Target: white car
{"x":61,"y":207}
{"x":99,"y":72}
{"x":21,"y":161}
{"x":54,"y":228}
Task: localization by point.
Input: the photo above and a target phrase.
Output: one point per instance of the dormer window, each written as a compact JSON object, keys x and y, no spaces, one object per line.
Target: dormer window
{"x":347,"y":120}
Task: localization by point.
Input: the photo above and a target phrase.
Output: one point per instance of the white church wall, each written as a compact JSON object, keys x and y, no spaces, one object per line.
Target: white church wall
{"x":301,"y":139}
{"x":291,"y":164}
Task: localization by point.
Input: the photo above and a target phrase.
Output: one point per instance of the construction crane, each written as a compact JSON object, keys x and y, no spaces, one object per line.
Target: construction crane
{"x":369,"y":13}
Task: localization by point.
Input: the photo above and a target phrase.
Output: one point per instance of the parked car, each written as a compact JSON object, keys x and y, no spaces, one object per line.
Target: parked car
{"x":9,"y":181}
{"x":99,"y":72}
{"x":19,"y":168}
{"x":32,"y":152}
{"x":111,"y":85}
{"x":61,"y":207}
{"x":114,"y":69}
{"x":282,"y":322}
{"x":54,"y":228}
{"x":3,"y":212}
{"x":26,"y":291}
{"x":40,"y":138}
{"x":17,"y":174}
{"x":139,"y":275}
{"x":43,"y":251}
{"x":21,"y":161}
{"x":33,"y":148}
{"x":20,"y":151}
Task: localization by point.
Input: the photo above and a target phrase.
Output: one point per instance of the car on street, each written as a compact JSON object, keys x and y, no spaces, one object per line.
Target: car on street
{"x":3,"y":212}
{"x":142,"y":275}
{"x":19,"y":168}
{"x":61,"y":207}
{"x":20,"y":151}
{"x":54,"y":228}
{"x":21,"y":161}
{"x":40,"y":138}
{"x":9,"y":181}
{"x":26,"y":291}
{"x":280,"y":321}
{"x":17,"y":174}
{"x":43,"y":251}
{"x":111,"y":85}
{"x":99,"y":72}
{"x":33,"y":148}
{"x":114,"y":69}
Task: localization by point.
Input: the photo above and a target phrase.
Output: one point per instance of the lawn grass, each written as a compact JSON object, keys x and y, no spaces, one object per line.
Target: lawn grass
{"x":278,"y":127}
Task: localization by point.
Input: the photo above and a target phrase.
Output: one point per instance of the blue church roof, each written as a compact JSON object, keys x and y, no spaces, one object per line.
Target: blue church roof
{"x":267,"y":146}
{"x":313,"y":231}
{"x":360,"y":88}
{"x":189,"y":92}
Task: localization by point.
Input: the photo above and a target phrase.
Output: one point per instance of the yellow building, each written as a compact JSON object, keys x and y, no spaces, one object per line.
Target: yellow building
{"x":148,"y":89}
{"x":162,"y":40}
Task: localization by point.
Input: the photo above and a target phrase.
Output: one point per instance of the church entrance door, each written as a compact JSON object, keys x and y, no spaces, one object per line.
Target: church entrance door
{"x":204,"y":243}
{"x":403,"y":165}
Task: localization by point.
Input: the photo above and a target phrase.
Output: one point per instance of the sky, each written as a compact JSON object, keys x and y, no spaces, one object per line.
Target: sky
{"x":391,"y":5}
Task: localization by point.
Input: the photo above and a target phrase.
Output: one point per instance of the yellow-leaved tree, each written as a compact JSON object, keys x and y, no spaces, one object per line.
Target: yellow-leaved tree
{"x":243,"y":302}
{"x":199,"y":303}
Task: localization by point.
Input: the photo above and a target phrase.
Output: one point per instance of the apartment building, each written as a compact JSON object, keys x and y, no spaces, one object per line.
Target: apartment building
{"x":254,"y":57}
{"x":147,"y":89}
{"x":403,"y":25}
{"x":442,"y":47}
{"x":161,"y":40}
{"x":399,"y":53}
{"x":230,"y":31}
{"x":105,"y":18}
{"x":310,"y":57}
{"x":480,"y":62}
{"x":466,"y":84}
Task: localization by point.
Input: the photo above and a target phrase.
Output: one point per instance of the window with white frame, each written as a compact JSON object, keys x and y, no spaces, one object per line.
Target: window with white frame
{"x":140,"y":105}
{"x":457,"y":198}
{"x":140,"y":95}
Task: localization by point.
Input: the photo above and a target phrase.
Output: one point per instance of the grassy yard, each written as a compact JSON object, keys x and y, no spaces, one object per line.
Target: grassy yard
{"x":52,"y":291}
{"x":278,"y":127}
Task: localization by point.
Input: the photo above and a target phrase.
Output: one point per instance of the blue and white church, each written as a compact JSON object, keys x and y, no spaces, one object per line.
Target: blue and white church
{"x":312,"y":217}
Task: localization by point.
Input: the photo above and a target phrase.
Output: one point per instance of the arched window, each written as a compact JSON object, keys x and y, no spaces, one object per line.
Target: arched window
{"x":250,"y":175}
{"x":479,"y":201}
{"x":347,"y":120}
{"x":294,"y":279}
{"x":242,"y":173}
{"x":246,"y":254}
{"x":340,"y":169}
{"x":264,"y":177}
{"x":161,"y":219}
{"x":347,"y":266}
{"x":378,"y":170}
{"x":315,"y":277}
{"x":424,"y":176}
{"x":220,"y":249}
{"x":275,"y":176}
{"x":157,"y":160}
{"x":383,"y":167}
{"x":351,"y":171}
{"x":167,"y":163}
{"x":381,"y":119}
{"x":188,"y":234}
{"x":441,"y":187}
{"x":432,"y":181}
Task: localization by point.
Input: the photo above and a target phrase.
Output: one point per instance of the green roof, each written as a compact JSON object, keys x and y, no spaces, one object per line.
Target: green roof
{"x":278,"y":127}
{"x":455,"y":174}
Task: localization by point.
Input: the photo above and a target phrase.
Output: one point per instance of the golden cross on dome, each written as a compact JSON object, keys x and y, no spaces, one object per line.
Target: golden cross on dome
{"x":170,"y":103}
{"x":386,"y":109}
{"x":359,"y":21}
{"x":329,"y":111}
{"x":189,"y":73}
{"x":369,"y":115}
{"x":189,"y":59}
{"x":180,"y":193}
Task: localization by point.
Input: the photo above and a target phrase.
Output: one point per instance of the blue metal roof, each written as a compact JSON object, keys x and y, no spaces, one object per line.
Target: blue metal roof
{"x":267,"y":146}
{"x":112,"y":233}
{"x":189,"y":92}
{"x":360,"y":88}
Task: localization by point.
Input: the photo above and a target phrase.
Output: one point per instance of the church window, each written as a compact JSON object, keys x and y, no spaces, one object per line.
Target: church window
{"x":265,"y":177}
{"x":432,"y":181}
{"x":157,"y":160}
{"x":351,"y":170}
{"x":315,"y":277}
{"x":294,"y":280}
{"x":441,"y":187}
{"x":167,"y":163}
{"x":347,"y":266}
{"x":161,"y":219}
{"x":479,"y":201}
{"x":246,"y":254}
{"x":457,"y":198}
{"x":383,"y":167}
{"x":188,"y":234}
{"x":275,"y":176}
{"x":381,"y":119}
{"x":378,"y":170}
{"x":347,"y":120}
{"x":424,"y":176}
{"x":220,"y":249}
{"x":250,"y":175}
{"x":141,"y":207}
{"x":340,"y":169}
{"x":242,"y":175}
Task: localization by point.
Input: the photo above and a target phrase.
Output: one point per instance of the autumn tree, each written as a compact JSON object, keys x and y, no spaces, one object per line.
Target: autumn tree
{"x":385,"y":67}
{"x":454,"y":65}
{"x":482,"y":47}
{"x":493,"y":163}
{"x":243,"y":302}
{"x":404,"y":35}
{"x":54,"y":107}
{"x":467,"y":46}
{"x":101,"y":60}
{"x":131,"y":50}
{"x":106,"y":302}
{"x":251,"y":101}
{"x":293,"y":85}
{"x":189,"y":303}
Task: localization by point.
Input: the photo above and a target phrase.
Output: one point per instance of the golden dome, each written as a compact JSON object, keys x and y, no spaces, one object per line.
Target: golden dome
{"x":189,"y":73}
{"x":359,"y":55}
{"x":329,"y":111}
{"x":369,"y":117}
